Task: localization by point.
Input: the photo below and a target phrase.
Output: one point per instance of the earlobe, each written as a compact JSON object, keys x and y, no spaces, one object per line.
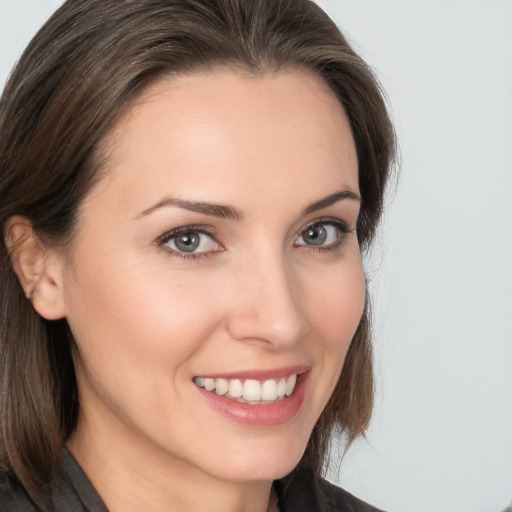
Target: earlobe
{"x":38,"y":267}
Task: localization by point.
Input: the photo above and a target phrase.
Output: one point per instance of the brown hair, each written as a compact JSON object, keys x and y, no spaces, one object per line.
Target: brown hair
{"x":74,"y":80}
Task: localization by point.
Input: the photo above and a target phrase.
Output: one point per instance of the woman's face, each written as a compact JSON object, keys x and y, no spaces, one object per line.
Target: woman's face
{"x":219,"y":250}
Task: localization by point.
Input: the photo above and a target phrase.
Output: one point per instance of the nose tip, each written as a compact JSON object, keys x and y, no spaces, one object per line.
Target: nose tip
{"x":268,"y":309}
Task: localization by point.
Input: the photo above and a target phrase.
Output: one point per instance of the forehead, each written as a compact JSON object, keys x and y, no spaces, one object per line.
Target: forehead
{"x":196,"y":134}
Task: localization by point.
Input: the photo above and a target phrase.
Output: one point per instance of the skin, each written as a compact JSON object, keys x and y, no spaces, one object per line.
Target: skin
{"x":147,"y":321}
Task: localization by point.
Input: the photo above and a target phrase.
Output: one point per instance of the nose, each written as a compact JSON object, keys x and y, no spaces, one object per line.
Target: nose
{"x":267,"y":305}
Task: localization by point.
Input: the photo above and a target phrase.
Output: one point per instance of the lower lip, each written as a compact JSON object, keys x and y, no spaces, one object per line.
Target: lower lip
{"x":259,"y":415}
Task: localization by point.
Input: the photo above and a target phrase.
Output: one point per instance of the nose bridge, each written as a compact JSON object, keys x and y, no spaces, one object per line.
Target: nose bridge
{"x":269,"y":306}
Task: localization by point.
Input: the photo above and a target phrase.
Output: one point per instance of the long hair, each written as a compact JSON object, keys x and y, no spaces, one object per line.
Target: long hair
{"x":76,"y":77}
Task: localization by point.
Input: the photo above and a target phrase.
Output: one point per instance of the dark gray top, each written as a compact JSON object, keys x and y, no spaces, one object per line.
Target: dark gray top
{"x":301,"y":491}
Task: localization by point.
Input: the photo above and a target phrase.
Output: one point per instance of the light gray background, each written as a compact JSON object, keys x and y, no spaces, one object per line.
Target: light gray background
{"x":441,"y":437}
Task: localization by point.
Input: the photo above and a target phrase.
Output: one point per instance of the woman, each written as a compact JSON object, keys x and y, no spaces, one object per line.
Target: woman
{"x":186,"y":188}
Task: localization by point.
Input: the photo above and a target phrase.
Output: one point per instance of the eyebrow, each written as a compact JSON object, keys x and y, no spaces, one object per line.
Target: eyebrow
{"x":214,"y":210}
{"x":231,"y":213}
{"x":332,"y":199}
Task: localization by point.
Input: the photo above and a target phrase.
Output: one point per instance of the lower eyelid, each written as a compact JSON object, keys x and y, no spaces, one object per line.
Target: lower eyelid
{"x":184,"y":256}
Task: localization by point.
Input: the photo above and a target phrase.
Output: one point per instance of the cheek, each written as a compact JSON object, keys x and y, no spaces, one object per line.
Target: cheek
{"x":334,"y":304}
{"x":334,"y":312}
{"x":137,"y":340}
{"x":336,"y":307}
{"x":124,"y":315}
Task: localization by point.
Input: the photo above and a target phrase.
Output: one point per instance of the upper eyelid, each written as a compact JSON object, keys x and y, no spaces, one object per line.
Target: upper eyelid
{"x":195,"y":228}
{"x":333,"y":221}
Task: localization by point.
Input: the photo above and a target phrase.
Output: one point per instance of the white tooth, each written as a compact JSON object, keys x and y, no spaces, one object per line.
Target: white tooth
{"x":199,"y":381}
{"x":269,"y":390}
{"x":236,"y":388}
{"x":290,"y":384}
{"x":252,"y":390}
{"x":209,"y":384}
{"x":281,"y":388}
{"x":221,"y":386}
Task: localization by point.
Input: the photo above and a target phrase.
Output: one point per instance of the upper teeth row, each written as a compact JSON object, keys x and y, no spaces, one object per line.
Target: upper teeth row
{"x":250,"y":389}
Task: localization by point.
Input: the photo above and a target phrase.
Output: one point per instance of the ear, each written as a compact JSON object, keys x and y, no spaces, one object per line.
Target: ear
{"x":38,"y":267}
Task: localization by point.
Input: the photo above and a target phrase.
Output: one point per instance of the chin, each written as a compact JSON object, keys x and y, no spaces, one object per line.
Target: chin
{"x":261,"y":459}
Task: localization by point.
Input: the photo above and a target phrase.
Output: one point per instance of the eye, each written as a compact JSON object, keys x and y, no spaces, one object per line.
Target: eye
{"x":189,"y":241}
{"x":323,"y":234}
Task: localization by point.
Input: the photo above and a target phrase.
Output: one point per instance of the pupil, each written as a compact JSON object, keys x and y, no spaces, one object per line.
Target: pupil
{"x":316,"y":236}
{"x":187,"y":243}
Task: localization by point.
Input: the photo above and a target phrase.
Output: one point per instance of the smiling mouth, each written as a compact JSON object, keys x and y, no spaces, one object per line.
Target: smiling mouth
{"x":250,"y":391}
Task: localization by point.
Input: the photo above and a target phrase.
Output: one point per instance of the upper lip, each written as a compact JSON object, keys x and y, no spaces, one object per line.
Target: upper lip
{"x":259,"y":374}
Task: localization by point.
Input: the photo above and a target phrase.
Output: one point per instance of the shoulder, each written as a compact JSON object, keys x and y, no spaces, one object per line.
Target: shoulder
{"x":343,"y":499}
{"x":72,"y":491}
{"x":13,"y":497}
{"x":302,"y":490}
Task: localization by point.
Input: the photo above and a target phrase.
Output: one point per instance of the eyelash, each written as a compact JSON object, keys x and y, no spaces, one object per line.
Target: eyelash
{"x":341,"y":226}
{"x":187,"y":230}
